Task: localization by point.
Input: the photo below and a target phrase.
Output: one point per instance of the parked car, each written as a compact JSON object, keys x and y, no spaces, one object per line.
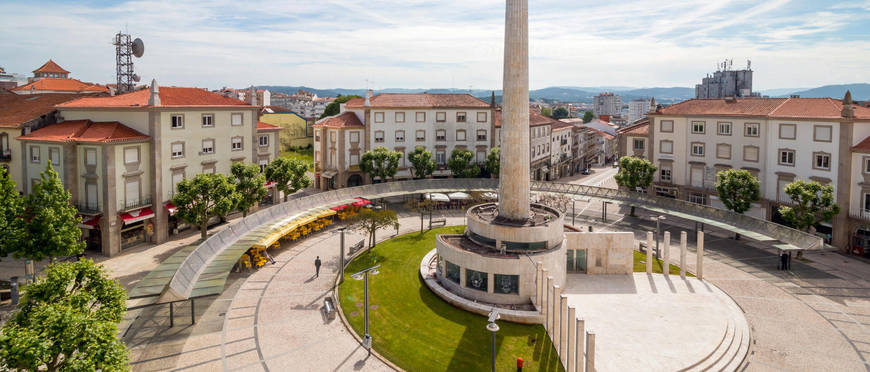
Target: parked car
{"x":585,"y":171}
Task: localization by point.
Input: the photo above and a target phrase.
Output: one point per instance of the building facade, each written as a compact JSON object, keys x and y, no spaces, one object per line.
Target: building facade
{"x":726,"y":83}
{"x":637,"y":109}
{"x":607,"y":104}
{"x":633,"y":140}
{"x":298,"y":131}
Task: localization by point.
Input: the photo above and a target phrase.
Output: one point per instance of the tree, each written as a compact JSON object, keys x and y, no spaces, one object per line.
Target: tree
{"x":52,"y":224}
{"x":368,"y":221}
{"x":588,"y":116}
{"x":560,"y":113}
{"x":460,"y":163}
{"x":493,"y":161}
{"x":421,"y":206}
{"x":421,"y":162}
{"x":334,"y":107}
{"x":67,"y":320}
{"x":11,"y":212}
{"x":249,"y":184}
{"x":813,"y":202}
{"x":737,"y":189}
{"x":380,"y":163}
{"x":633,"y":173}
{"x":203,"y":197}
{"x":288,"y":174}
{"x":546,"y":111}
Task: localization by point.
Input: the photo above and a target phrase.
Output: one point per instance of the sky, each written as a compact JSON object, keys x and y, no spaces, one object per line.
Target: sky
{"x":443,"y":44}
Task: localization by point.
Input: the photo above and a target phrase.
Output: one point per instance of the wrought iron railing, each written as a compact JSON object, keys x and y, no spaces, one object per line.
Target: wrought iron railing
{"x":134,"y":203}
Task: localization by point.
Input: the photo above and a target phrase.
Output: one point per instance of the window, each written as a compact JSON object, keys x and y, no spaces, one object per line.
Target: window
{"x":236,"y":143}
{"x":723,"y":151}
{"x":477,"y":280}
{"x":481,"y":117}
{"x":460,"y":135}
{"x":724,"y":129}
{"x":666,"y":147}
{"x":452,"y":272}
{"x":54,"y":156}
{"x":379,"y":117}
{"x":400,"y":136}
{"x":131,"y":155}
{"x":750,"y":153}
{"x":665,"y":174}
{"x":481,"y":134}
{"x":481,"y":156}
{"x":506,"y":283}
{"x":379,"y":136}
{"x":440,"y":117}
{"x":34,"y":154}
{"x":822,"y":133}
{"x":441,"y":157}
{"x":354,"y":137}
{"x":460,"y":117}
{"x":400,"y":117}
{"x":91,"y":195}
{"x":131,"y":192}
{"x":866,"y":165}
{"x":697,"y":149}
{"x":207,"y":120}
{"x":263,"y":163}
{"x":441,"y":135}
{"x":750,"y":130}
{"x":698,"y":127}
{"x":421,"y":117}
{"x":236,"y":119}
{"x":667,"y":126}
{"x":332,"y":136}
{"x":638,"y":144}
{"x":354,"y":159}
{"x":822,"y":161}
{"x":421,"y":135}
{"x":787,"y":131}
{"x":867,"y":202}
{"x":208,"y":146}
{"x":264,"y":140}
{"x":177,"y":121}
{"x":208,"y":169}
{"x":786,"y":157}
{"x":697,"y":198}
{"x":178,"y":150}
{"x":91,"y":157}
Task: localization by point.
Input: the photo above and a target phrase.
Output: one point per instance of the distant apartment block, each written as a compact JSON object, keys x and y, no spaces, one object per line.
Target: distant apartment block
{"x":607,"y":104}
{"x":304,"y":103}
{"x":637,"y":109}
{"x":726,"y":83}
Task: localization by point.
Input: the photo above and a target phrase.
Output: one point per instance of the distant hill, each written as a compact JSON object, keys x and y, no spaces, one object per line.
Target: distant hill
{"x":779,"y":92}
{"x":860,"y":92}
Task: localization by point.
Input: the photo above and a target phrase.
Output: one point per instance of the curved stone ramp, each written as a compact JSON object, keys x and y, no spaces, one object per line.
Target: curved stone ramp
{"x":190,"y":274}
{"x":730,"y":353}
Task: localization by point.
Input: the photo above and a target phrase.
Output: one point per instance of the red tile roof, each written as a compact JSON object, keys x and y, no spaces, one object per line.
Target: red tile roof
{"x":640,"y":129}
{"x":346,"y":119}
{"x":85,"y":131}
{"x":557,"y":125}
{"x":169,"y":97}
{"x":16,"y":110}
{"x":535,"y":119}
{"x":61,"y":85}
{"x":419,"y":100}
{"x":606,"y":136}
{"x":261,"y":126}
{"x":863,"y":146}
{"x":51,"y":68}
{"x":785,"y":108}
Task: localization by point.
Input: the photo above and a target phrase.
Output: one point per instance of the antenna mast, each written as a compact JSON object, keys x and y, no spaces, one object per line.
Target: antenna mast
{"x":125,"y":50}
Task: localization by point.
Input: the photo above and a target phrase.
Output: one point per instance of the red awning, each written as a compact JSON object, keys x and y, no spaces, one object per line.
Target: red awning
{"x":269,"y":184}
{"x":338,"y":208}
{"x":171,"y":208}
{"x":361,"y":202}
{"x":137,"y":215}
{"x":89,"y":222}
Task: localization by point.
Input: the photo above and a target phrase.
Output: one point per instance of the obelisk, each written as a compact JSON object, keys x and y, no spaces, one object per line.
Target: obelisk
{"x":514,"y":177}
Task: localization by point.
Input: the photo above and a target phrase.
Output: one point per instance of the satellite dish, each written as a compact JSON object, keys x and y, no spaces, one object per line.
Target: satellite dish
{"x":138,"y":47}
{"x":136,"y":78}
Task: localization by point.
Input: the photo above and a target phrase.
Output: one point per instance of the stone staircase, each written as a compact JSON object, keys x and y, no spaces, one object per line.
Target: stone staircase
{"x":729,"y":354}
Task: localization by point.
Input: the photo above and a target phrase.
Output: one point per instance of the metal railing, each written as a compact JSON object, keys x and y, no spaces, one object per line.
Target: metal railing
{"x":88,"y":208}
{"x":860,"y":215}
{"x":134,"y":203}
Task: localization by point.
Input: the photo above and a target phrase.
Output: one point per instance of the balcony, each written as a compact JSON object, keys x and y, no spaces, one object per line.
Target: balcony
{"x":88,"y":208}
{"x":126,"y":205}
{"x":863,"y":214}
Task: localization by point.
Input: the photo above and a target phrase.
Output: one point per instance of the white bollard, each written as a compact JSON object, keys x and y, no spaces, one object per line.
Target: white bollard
{"x":539,"y":278}
{"x":590,"y":351}
{"x":544,"y":297}
{"x":700,"y":268}
{"x":557,"y":311}
{"x":666,"y":257}
{"x":649,"y":252}
{"x":581,"y":341}
{"x":571,"y":357}
{"x":563,"y":325}
{"x":550,"y":309}
{"x":683,"y":239}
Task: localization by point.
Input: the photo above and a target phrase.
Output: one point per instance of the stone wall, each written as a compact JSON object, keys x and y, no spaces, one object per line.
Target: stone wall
{"x":606,"y":252}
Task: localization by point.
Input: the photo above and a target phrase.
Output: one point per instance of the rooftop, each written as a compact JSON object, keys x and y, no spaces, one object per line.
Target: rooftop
{"x":18,"y":109}
{"x":61,"y":85}
{"x":85,"y":131}
{"x":640,"y":128}
{"x":539,"y":215}
{"x":50,"y":68}
{"x":785,"y":108}
{"x":419,"y":100}
{"x":261,"y":126}
{"x":535,"y":119}
{"x":169,"y":97}
{"x":346,"y":119}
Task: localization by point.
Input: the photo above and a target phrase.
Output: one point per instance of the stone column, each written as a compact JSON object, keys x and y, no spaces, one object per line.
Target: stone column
{"x":549,"y":306}
{"x":514,"y":183}
{"x":580,"y":331}
{"x":683,"y":239}
{"x":571,"y":349}
{"x":700,"y":269}
{"x":590,"y":351}
{"x":666,"y":257}
{"x":539,"y":276}
{"x":563,"y":328}
{"x":544,"y":295}
{"x":649,"y":252}
{"x":557,"y":316}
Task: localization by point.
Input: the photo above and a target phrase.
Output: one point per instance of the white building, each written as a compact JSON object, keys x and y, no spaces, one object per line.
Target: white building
{"x":607,"y":104}
{"x":637,"y":109}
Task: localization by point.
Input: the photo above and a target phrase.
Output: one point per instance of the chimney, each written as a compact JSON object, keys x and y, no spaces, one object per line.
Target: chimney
{"x":252,"y":96}
{"x":848,"y":111}
{"x":652,"y":105}
{"x":492,"y":100}
{"x":369,"y":94}
{"x":154,"y":99}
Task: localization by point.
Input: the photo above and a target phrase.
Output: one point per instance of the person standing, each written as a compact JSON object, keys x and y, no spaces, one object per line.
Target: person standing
{"x":317,"y":267}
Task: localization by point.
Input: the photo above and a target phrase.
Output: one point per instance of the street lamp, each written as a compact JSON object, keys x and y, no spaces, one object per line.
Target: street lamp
{"x":341,"y":256}
{"x":658,"y":221}
{"x":364,"y":275}
{"x":604,"y":204}
{"x":492,"y":327}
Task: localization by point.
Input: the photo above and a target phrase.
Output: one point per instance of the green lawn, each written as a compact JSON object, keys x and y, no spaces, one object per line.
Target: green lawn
{"x":418,"y":331}
{"x":306,"y":155}
{"x":640,"y":265}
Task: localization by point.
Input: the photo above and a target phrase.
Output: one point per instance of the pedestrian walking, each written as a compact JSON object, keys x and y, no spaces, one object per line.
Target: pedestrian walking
{"x":317,"y":267}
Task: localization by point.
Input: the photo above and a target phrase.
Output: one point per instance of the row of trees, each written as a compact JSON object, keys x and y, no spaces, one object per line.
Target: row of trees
{"x":215,"y":195}
{"x":738,"y":189}
{"x":382,"y":163}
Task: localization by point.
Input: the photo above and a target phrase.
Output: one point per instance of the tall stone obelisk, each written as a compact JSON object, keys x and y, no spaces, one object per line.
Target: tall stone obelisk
{"x":514,"y":176}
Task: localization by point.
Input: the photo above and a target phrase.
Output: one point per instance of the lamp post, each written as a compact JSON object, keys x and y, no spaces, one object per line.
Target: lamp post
{"x":573,"y":211}
{"x":658,"y":232}
{"x":604,"y":204}
{"x":364,"y":275}
{"x":341,"y":256}
{"x":492,"y":327}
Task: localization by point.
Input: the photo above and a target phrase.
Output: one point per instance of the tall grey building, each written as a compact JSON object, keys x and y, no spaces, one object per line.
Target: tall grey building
{"x":637,"y":108}
{"x":607,"y":104}
{"x":726,"y":83}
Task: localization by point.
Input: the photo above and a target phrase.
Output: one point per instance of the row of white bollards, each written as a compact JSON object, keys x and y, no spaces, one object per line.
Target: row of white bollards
{"x":574,"y":344}
{"x":666,"y":255}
